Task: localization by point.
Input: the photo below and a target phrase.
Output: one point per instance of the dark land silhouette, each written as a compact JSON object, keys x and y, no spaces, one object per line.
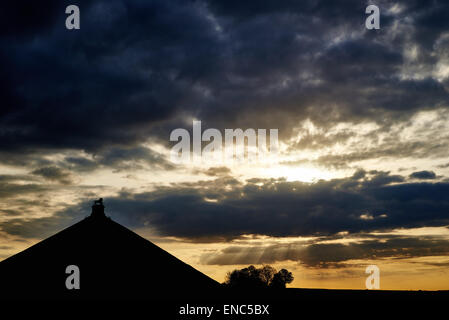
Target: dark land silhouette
{"x":114,"y":263}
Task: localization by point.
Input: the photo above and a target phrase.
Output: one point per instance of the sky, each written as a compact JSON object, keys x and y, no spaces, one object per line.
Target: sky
{"x":361,"y":175}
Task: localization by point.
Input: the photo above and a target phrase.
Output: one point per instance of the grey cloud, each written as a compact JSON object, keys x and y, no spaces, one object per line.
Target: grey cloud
{"x":5,"y":178}
{"x":215,"y":171}
{"x":325,"y":255}
{"x":54,"y":174}
{"x":417,"y":149}
{"x":41,"y":228}
{"x":79,"y":164}
{"x":115,"y":158}
{"x":132,"y":158}
{"x":279,"y":208}
{"x":12,"y":190}
{"x":423,"y":175}
{"x":442,"y":166}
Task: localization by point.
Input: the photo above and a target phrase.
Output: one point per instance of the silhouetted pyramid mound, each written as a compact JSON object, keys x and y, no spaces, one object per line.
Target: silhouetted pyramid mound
{"x":114,"y":263}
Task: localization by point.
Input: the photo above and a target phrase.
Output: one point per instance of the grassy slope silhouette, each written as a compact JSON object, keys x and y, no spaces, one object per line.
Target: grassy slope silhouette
{"x":114,"y":263}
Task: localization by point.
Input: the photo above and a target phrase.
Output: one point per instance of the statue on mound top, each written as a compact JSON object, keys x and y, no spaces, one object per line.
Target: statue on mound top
{"x":98,"y":209}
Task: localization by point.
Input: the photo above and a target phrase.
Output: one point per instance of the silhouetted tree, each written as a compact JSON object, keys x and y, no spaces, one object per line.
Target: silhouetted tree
{"x":244,"y":278}
{"x":281,"y":278}
{"x":256,"y":278}
{"x":266,"y":274}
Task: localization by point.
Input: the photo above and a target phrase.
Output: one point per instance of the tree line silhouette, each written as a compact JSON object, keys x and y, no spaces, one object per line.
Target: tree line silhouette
{"x":256,"y":278}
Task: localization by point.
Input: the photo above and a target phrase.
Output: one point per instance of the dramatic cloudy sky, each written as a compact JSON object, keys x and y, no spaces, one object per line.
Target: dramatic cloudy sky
{"x":362,"y":172}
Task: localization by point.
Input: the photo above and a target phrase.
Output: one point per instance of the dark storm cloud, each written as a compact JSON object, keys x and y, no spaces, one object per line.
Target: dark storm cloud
{"x":225,"y":208}
{"x":136,"y":68}
{"x":380,"y":178}
{"x":30,"y":17}
{"x":423,"y":175}
{"x":330,"y":254}
{"x":77,"y":91}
